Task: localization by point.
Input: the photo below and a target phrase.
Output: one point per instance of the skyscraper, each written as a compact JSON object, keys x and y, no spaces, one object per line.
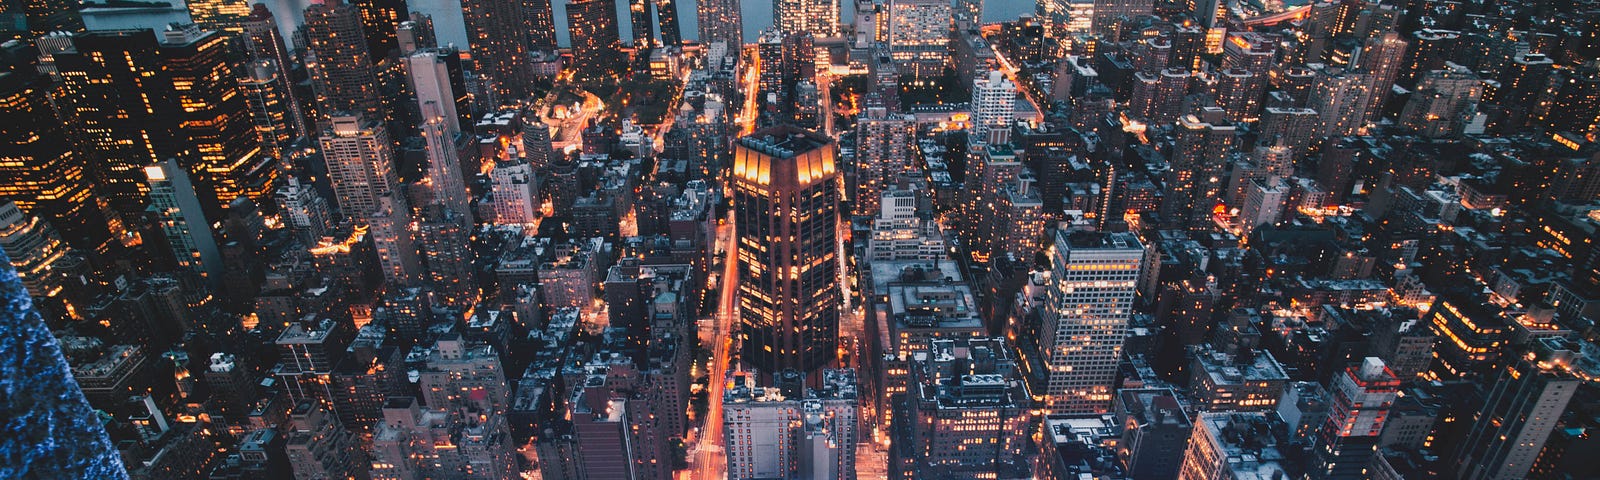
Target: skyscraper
{"x":1523,"y":407}
{"x":592,"y":26}
{"x":642,"y":15}
{"x":1200,"y":148}
{"x":919,"y":36}
{"x":395,"y":241}
{"x":883,"y":152}
{"x":378,"y":21}
{"x":175,"y":206}
{"x":35,"y":251}
{"x":275,"y":123}
{"x":227,"y":15}
{"x":807,"y":435}
{"x":541,"y":24}
{"x":1348,"y":439}
{"x":994,"y":105}
{"x":667,"y":13}
{"x":114,"y":94}
{"x":1342,"y":99}
{"x":818,"y":17}
{"x":969,"y":413}
{"x":360,"y":163}
{"x":786,"y":210}
{"x":215,"y":118}
{"x":341,"y":65}
{"x":720,"y":21}
{"x":444,"y":168}
{"x":1382,"y":58}
{"x":431,"y":80}
{"x":39,"y":169}
{"x":499,"y":44}
{"x":1107,"y":13}
{"x":1089,"y":301}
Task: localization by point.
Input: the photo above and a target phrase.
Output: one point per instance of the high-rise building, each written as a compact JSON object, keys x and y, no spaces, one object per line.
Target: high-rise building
{"x":1199,"y":158}
{"x":342,"y":72}
{"x":262,"y":41}
{"x":993,"y":169}
{"x":667,"y":14}
{"x":817,"y":17}
{"x":919,"y":36}
{"x":360,"y":163}
{"x":810,"y":435}
{"x":214,"y":118}
{"x":1441,"y":101}
{"x":445,"y":181}
{"x":1090,"y":300}
{"x":786,"y":211}
{"x":182,"y":219}
{"x":378,"y":21}
{"x":883,"y":152}
{"x":1155,"y":431}
{"x":431,"y":79}
{"x":37,"y":18}
{"x":1229,"y":445}
{"x":641,"y":13}
{"x":113,"y":92}
{"x":40,"y":170}
{"x":720,"y":21}
{"x":1062,"y":18}
{"x":275,"y":123}
{"x":444,"y":240}
{"x":540,"y":19}
{"x":516,"y":193}
{"x":1524,"y":405}
{"x":994,"y":106}
{"x":596,"y":43}
{"x":1109,"y":13}
{"x":495,"y":30}
{"x":35,"y":251}
{"x":416,"y":33}
{"x":229,"y":15}
{"x":1362,"y":396}
{"x":319,"y":446}
{"x":1342,"y":99}
{"x":395,"y":240}
{"x":1382,"y":58}
{"x":969,"y":413}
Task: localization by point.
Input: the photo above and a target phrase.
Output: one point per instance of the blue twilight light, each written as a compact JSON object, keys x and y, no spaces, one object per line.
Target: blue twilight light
{"x":47,"y":429}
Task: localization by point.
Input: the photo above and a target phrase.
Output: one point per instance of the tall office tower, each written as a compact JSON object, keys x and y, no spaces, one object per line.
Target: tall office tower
{"x":1238,"y":93}
{"x":318,"y":446}
{"x":360,"y":163}
{"x":444,"y":237}
{"x":1253,"y":51}
{"x":40,"y":170}
{"x":1264,"y":201}
{"x":1524,"y":405}
{"x":416,"y":33}
{"x":1295,"y":127}
{"x":1349,"y":438}
{"x":883,"y":153}
{"x":1020,"y":221}
{"x":1572,"y":90}
{"x":49,"y":401}
{"x":445,"y":180}
{"x":1109,"y":13}
{"x":1231,"y":445}
{"x":499,"y":45}
{"x":641,"y":14}
{"x":183,"y":220}
{"x":516,"y":193}
{"x":788,"y":289}
{"x":394,"y":238}
{"x":993,"y":168}
{"x":1062,"y":18}
{"x":215,"y":118}
{"x":1430,"y":50}
{"x":994,"y":107}
{"x":378,"y":21}
{"x":1199,"y":157}
{"x":436,"y":76}
{"x":305,"y":211}
{"x":671,"y":31}
{"x":1479,"y":332}
{"x":112,"y":91}
{"x":769,"y":54}
{"x":536,"y":145}
{"x":969,"y":413}
{"x":1155,"y":431}
{"x":919,"y":36}
{"x":269,"y":105}
{"x":774,"y":435}
{"x":1208,"y":13}
{"x":1382,"y":58}
{"x":1158,"y":96}
{"x":1089,"y":302}
{"x":592,"y":26}
{"x":229,"y":15}
{"x":1442,"y":99}
{"x":540,"y":19}
{"x":817,"y":17}
{"x":1341,"y":98}
{"x":262,"y":41}
{"x":37,"y":253}
{"x":342,"y":72}
{"x":720,"y":21}
{"x":1522,"y":82}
